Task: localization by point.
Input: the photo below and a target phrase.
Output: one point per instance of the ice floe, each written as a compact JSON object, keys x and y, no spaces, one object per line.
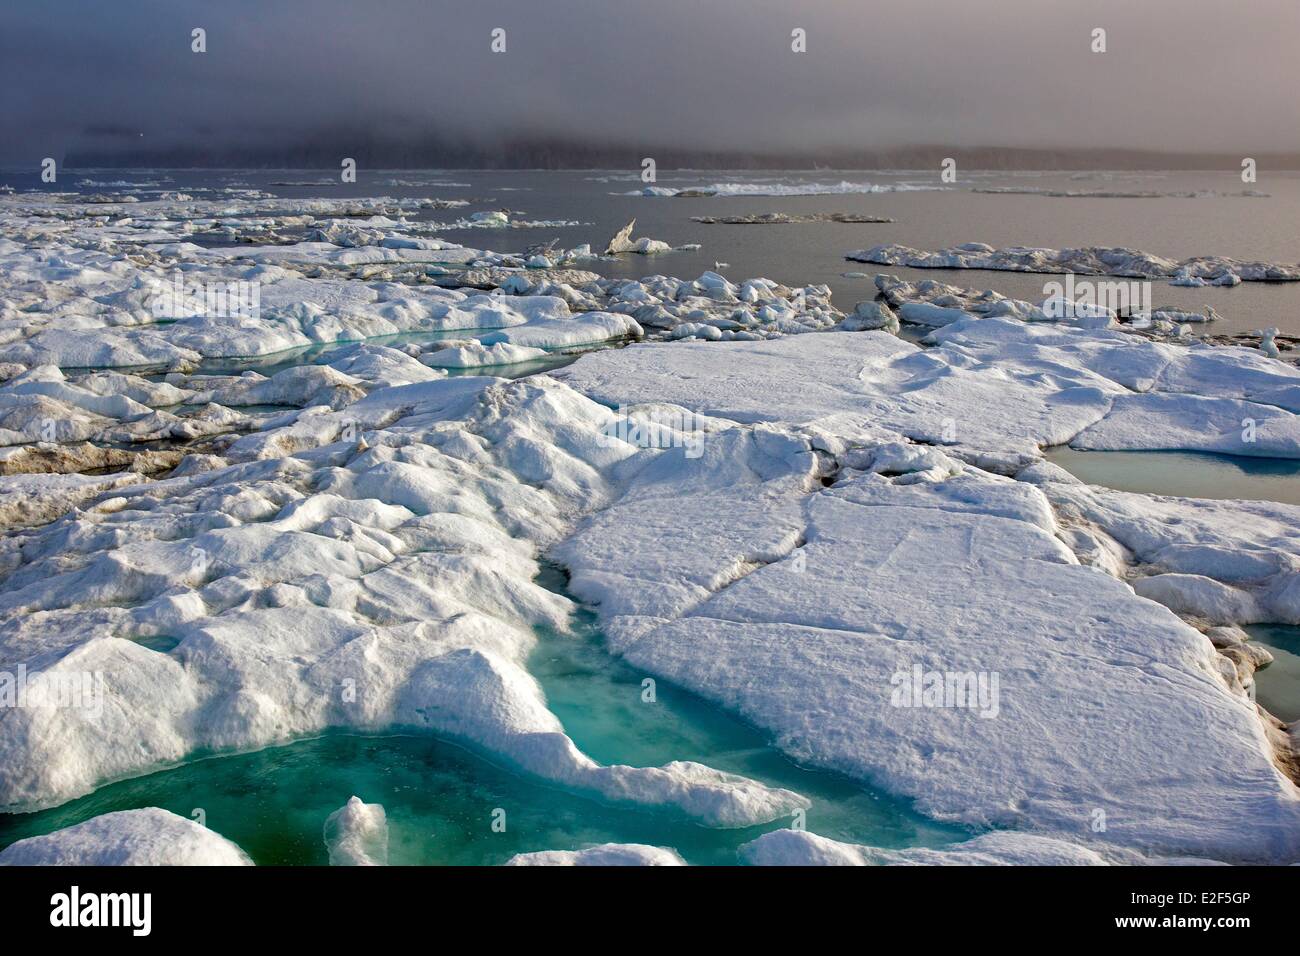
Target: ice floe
{"x":623,"y":242}
{"x":992,"y":386}
{"x":148,"y":837}
{"x":1220,"y":561}
{"x":935,"y":304}
{"x":1093,"y":260}
{"x":841,"y":188}
{"x":140,"y":295}
{"x":798,"y":605}
{"x":801,"y":848}
{"x":785,"y":218}
{"x":607,"y":854}
{"x":1119,"y":193}
{"x":372,"y":582}
{"x":474,"y":354}
{"x":356,"y":834}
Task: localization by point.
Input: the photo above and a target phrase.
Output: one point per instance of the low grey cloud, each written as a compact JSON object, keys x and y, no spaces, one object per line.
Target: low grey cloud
{"x":1190,"y":75}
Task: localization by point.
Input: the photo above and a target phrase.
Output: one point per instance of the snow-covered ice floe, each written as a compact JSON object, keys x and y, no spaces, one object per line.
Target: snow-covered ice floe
{"x":993,"y":388}
{"x":841,"y":188}
{"x":148,"y":837}
{"x":320,"y":581}
{"x":1121,"y":193}
{"x":934,"y":304}
{"x":785,"y":218}
{"x":813,"y":563}
{"x":999,"y":848}
{"x":1094,"y":260}
{"x":84,"y":288}
{"x":607,"y":854}
{"x":623,"y":242}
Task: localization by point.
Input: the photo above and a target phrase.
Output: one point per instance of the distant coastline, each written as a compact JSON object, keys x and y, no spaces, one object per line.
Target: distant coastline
{"x":546,"y":155}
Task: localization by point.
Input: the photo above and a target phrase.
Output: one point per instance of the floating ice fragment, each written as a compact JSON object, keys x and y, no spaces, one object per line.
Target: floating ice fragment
{"x":357,"y":834}
{"x":623,"y":242}
{"x":607,"y":854}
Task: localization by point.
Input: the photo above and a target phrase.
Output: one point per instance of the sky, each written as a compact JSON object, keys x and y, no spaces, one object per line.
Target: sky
{"x":1177,"y":75}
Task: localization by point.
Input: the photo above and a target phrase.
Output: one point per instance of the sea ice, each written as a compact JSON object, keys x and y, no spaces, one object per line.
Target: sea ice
{"x":800,"y":528}
{"x":473,"y":354}
{"x":357,"y":834}
{"x":623,"y":242}
{"x":740,"y":576}
{"x":801,"y":848}
{"x":1095,"y":260}
{"x":607,"y":854}
{"x":148,"y":837}
{"x":374,"y":582}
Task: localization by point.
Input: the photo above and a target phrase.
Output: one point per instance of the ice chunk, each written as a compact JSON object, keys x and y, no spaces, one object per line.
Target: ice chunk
{"x":1095,"y":260}
{"x":148,"y":837}
{"x":800,"y":848}
{"x":623,"y":242}
{"x":357,"y":834}
{"x":477,"y":355}
{"x":607,"y":854}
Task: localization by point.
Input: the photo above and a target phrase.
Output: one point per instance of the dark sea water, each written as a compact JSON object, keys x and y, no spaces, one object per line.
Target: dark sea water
{"x":929,"y":215}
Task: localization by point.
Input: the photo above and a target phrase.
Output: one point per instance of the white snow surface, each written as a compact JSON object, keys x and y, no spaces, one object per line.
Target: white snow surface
{"x":1220,"y":561}
{"x":991,"y":386}
{"x":740,"y":576}
{"x":1092,"y":260}
{"x":357,"y":834}
{"x":382,"y":581}
{"x":606,"y":854}
{"x":1000,"y":848}
{"x":842,"y":188}
{"x":148,"y":837}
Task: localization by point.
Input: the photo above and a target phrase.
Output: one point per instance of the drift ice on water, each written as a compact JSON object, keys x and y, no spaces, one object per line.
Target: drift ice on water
{"x":808,"y":530}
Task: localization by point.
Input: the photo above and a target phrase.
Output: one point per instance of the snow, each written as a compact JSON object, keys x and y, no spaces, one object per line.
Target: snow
{"x":841,"y":188}
{"x":148,"y":837}
{"x":1222,"y":561}
{"x":623,"y":242}
{"x":991,"y":385}
{"x":475,"y":355}
{"x":381,"y":582}
{"x":606,"y":854}
{"x":739,"y":576}
{"x":1094,"y":260}
{"x":801,"y":848}
{"x":357,"y":834}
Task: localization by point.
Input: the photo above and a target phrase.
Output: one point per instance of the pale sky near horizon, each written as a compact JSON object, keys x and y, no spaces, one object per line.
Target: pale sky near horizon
{"x":1178,"y":75}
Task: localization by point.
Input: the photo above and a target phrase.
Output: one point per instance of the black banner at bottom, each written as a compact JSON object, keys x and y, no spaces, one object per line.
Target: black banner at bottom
{"x":336,"y":905}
